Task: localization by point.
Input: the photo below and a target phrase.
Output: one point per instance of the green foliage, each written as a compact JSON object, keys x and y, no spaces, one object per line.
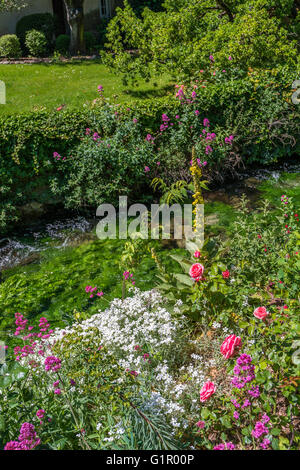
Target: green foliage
{"x":62,"y":43}
{"x":90,"y":41}
{"x":10,"y":46}
{"x":11,"y":5}
{"x":191,"y":31}
{"x":36,"y":43}
{"x":43,"y":22}
{"x":176,"y":193}
{"x":256,"y":109}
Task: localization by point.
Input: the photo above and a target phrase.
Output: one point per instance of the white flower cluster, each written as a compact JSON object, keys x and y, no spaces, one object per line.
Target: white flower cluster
{"x":145,"y":338}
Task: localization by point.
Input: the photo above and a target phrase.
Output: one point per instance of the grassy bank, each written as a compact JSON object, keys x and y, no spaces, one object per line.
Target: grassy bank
{"x":49,"y":86}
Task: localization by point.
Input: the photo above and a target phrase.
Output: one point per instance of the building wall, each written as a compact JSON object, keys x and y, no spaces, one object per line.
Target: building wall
{"x":8,"y":21}
{"x":92,"y":12}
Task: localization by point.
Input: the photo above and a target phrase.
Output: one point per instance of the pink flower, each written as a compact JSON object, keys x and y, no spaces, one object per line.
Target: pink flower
{"x":40,"y":414}
{"x":229,"y":346}
{"x":200,"y":424}
{"x":260,"y":313}
{"x":196,"y":271}
{"x":197,"y":254}
{"x":147,"y":169}
{"x":52,"y":363}
{"x":12,"y":445}
{"x":226,"y":274}
{"x":207,"y":391}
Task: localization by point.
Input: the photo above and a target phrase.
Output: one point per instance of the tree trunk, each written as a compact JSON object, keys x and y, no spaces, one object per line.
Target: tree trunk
{"x":75,"y":18}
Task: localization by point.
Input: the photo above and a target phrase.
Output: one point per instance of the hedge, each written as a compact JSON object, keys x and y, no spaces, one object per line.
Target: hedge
{"x":257,"y":110}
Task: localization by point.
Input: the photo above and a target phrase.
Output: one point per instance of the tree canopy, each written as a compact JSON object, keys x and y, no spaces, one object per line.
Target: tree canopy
{"x":9,"y":5}
{"x":181,"y":38}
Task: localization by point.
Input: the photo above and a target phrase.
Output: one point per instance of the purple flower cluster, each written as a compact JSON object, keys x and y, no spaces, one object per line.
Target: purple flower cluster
{"x":128,"y":276}
{"x":52,"y":363}
{"x":261,"y":430}
{"x":254,"y":391}
{"x":229,"y":140}
{"x":243,"y":371}
{"x":27,"y":440}
{"x":226,"y":446}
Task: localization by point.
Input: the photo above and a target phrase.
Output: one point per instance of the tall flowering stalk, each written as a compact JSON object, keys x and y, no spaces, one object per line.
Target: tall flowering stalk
{"x":196,"y":172}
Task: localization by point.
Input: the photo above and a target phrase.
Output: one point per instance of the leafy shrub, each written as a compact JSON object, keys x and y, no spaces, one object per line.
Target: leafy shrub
{"x":190,"y":32}
{"x":101,"y":31}
{"x":255,"y":108}
{"x":62,"y":43}
{"x":10,"y":46}
{"x":43,"y":22}
{"x":36,"y":43}
{"x":89,"y":41}
{"x":95,"y":388}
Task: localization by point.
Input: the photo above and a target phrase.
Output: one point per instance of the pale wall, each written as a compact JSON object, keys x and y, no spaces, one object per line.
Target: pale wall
{"x":8,"y":21}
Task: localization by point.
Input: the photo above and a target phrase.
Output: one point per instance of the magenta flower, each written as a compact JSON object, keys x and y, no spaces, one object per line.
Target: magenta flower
{"x":52,"y":363}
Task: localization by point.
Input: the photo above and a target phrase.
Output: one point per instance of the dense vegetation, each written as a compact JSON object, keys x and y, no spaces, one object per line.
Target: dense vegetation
{"x":160,"y":344}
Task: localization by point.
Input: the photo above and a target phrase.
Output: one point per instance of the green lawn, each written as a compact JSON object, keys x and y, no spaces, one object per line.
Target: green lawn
{"x":72,"y":84}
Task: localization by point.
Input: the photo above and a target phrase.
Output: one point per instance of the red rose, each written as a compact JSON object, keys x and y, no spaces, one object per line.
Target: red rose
{"x":226,"y":274}
{"x":260,"y":313}
{"x":229,"y":346}
{"x":207,"y":391}
{"x":197,"y":271}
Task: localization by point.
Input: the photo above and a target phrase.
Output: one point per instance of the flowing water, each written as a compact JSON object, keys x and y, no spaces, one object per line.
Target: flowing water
{"x":26,"y":247}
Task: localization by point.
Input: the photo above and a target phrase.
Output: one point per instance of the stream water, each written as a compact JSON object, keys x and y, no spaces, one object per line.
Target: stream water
{"x":24,"y":246}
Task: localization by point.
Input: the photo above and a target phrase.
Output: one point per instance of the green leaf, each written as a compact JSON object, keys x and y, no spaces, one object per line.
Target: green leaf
{"x":184,"y":279}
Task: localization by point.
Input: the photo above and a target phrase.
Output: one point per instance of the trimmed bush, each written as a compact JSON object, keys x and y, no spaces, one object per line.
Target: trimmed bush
{"x":40,"y":21}
{"x":10,"y":46}
{"x":36,"y":43}
{"x":62,"y":43}
{"x":256,"y":109}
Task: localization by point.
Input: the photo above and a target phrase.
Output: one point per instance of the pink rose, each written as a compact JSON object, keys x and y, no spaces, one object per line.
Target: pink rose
{"x":226,"y":274}
{"x":207,"y":391}
{"x":197,"y":254}
{"x":260,"y":313}
{"x":229,"y":346}
{"x":197,"y":271}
